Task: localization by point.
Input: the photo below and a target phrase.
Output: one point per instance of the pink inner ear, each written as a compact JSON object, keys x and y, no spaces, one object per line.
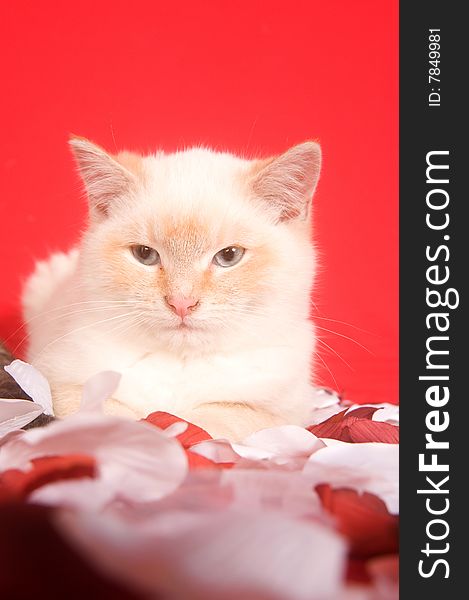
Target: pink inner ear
{"x":104,"y":185}
{"x":287,"y":182}
{"x":104,"y":176}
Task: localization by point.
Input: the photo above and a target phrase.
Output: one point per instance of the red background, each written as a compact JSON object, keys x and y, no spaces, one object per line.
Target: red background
{"x":246,"y":76}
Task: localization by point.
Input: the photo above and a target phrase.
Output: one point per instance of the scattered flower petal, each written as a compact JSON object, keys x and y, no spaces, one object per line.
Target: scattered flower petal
{"x":286,"y":446}
{"x":288,"y":441}
{"x":17,"y":485}
{"x":134,"y":460}
{"x":357,"y":426}
{"x":384,"y":572}
{"x":363,"y":519}
{"x":223,"y":554}
{"x":325,"y":404}
{"x":190,"y":435}
{"x":389,"y":413}
{"x":218,"y":451}
{"x":15,"y":414}
{"x":367,"y":467}
{"x":33,"y":383}
{"x":166,"y":511}
{"x":97,"y":389}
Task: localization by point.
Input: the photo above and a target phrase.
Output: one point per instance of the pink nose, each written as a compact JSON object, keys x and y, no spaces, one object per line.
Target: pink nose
{"x":181,"y":306}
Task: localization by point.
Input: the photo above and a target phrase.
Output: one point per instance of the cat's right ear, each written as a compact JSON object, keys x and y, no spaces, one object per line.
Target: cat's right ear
{"x":105,"y":179}
{"x":286,"y":183}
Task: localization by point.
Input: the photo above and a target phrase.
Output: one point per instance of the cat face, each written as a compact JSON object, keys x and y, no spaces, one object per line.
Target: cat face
{"x":204,"y":244}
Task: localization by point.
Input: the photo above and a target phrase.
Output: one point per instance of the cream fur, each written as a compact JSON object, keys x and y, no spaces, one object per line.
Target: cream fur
{"x":244,"y":362}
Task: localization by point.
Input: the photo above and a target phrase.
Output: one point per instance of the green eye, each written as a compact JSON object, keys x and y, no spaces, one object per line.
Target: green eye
{"x":228,"y":257}
{"x":145,"y":255}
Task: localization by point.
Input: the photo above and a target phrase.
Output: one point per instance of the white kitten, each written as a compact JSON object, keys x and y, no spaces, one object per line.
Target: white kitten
{"x":193,"y":280}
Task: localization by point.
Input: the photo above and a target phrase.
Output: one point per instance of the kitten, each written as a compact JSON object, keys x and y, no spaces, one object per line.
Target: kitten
{"x":193,"y":280}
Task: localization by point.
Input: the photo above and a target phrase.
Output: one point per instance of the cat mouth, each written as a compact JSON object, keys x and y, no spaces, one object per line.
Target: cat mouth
{"x":184,"y":326}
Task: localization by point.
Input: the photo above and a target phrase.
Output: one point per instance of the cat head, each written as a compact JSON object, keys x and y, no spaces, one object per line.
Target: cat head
{"x":204,"y":244}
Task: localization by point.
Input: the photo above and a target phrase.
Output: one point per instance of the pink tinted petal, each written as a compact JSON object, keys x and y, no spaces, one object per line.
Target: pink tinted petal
{"x":323,"y":398}
{"x":15,"y":414}
{"x":134,"y":459}
{"x":225,"y":554}
{"x":176,"y":429}
{"x":33,"y":383}
{"x":268,"y":552}
{"x":356,"y":592}
{"x":287,"y":445}
{"x":9,"y":437}
{"x":325,"y":404}
{"x":196,"y":461}
{"x":389,"y":413}
{"x":283,"y":441}
{"x":248,"y":489}
{"x":288,"y":491}
{"x":84,"y":494}
{"x":369,"y":467}
{"x":218,"y":451}
{"x":385,"y":575}
{"x":322,"y":414}
{"x":97,"y":389}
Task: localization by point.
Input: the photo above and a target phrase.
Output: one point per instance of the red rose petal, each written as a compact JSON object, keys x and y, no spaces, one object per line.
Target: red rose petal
{"x":363,"y":412}
{"x":17,"y":485}
{"x":356,"y":426}
{"x":357,"y":571}
{"x":331,"y":427}
{"x":197,"y":461}
{"x":193,"y":434}
{"x":363,"y":519}
{"x":374,"y":431}
{"x":384,"y":570}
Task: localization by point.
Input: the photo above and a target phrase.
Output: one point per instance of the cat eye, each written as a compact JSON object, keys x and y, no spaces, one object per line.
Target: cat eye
{"x":145,"y":255}
{"x":228,"y":257}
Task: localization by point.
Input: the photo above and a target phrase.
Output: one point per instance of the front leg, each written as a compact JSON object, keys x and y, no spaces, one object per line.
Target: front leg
{"x":233,"y":421}
{"x":66,"y":400}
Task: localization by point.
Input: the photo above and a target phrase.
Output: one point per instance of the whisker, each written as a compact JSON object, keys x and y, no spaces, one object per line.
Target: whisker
{"x":133,"y":323}
{"x":57,"y":308}
{"x":330,"y":372}
{"x":343,"y":323}
{"x":82,"y":329}
{"x":64,"y":316}
{"x":336,"y":353}
{"x":347,"y":338}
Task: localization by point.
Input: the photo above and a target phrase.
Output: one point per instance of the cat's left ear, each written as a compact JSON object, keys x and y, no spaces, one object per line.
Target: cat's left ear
{"x":104,"y":177}
{"x":286,"y":183}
